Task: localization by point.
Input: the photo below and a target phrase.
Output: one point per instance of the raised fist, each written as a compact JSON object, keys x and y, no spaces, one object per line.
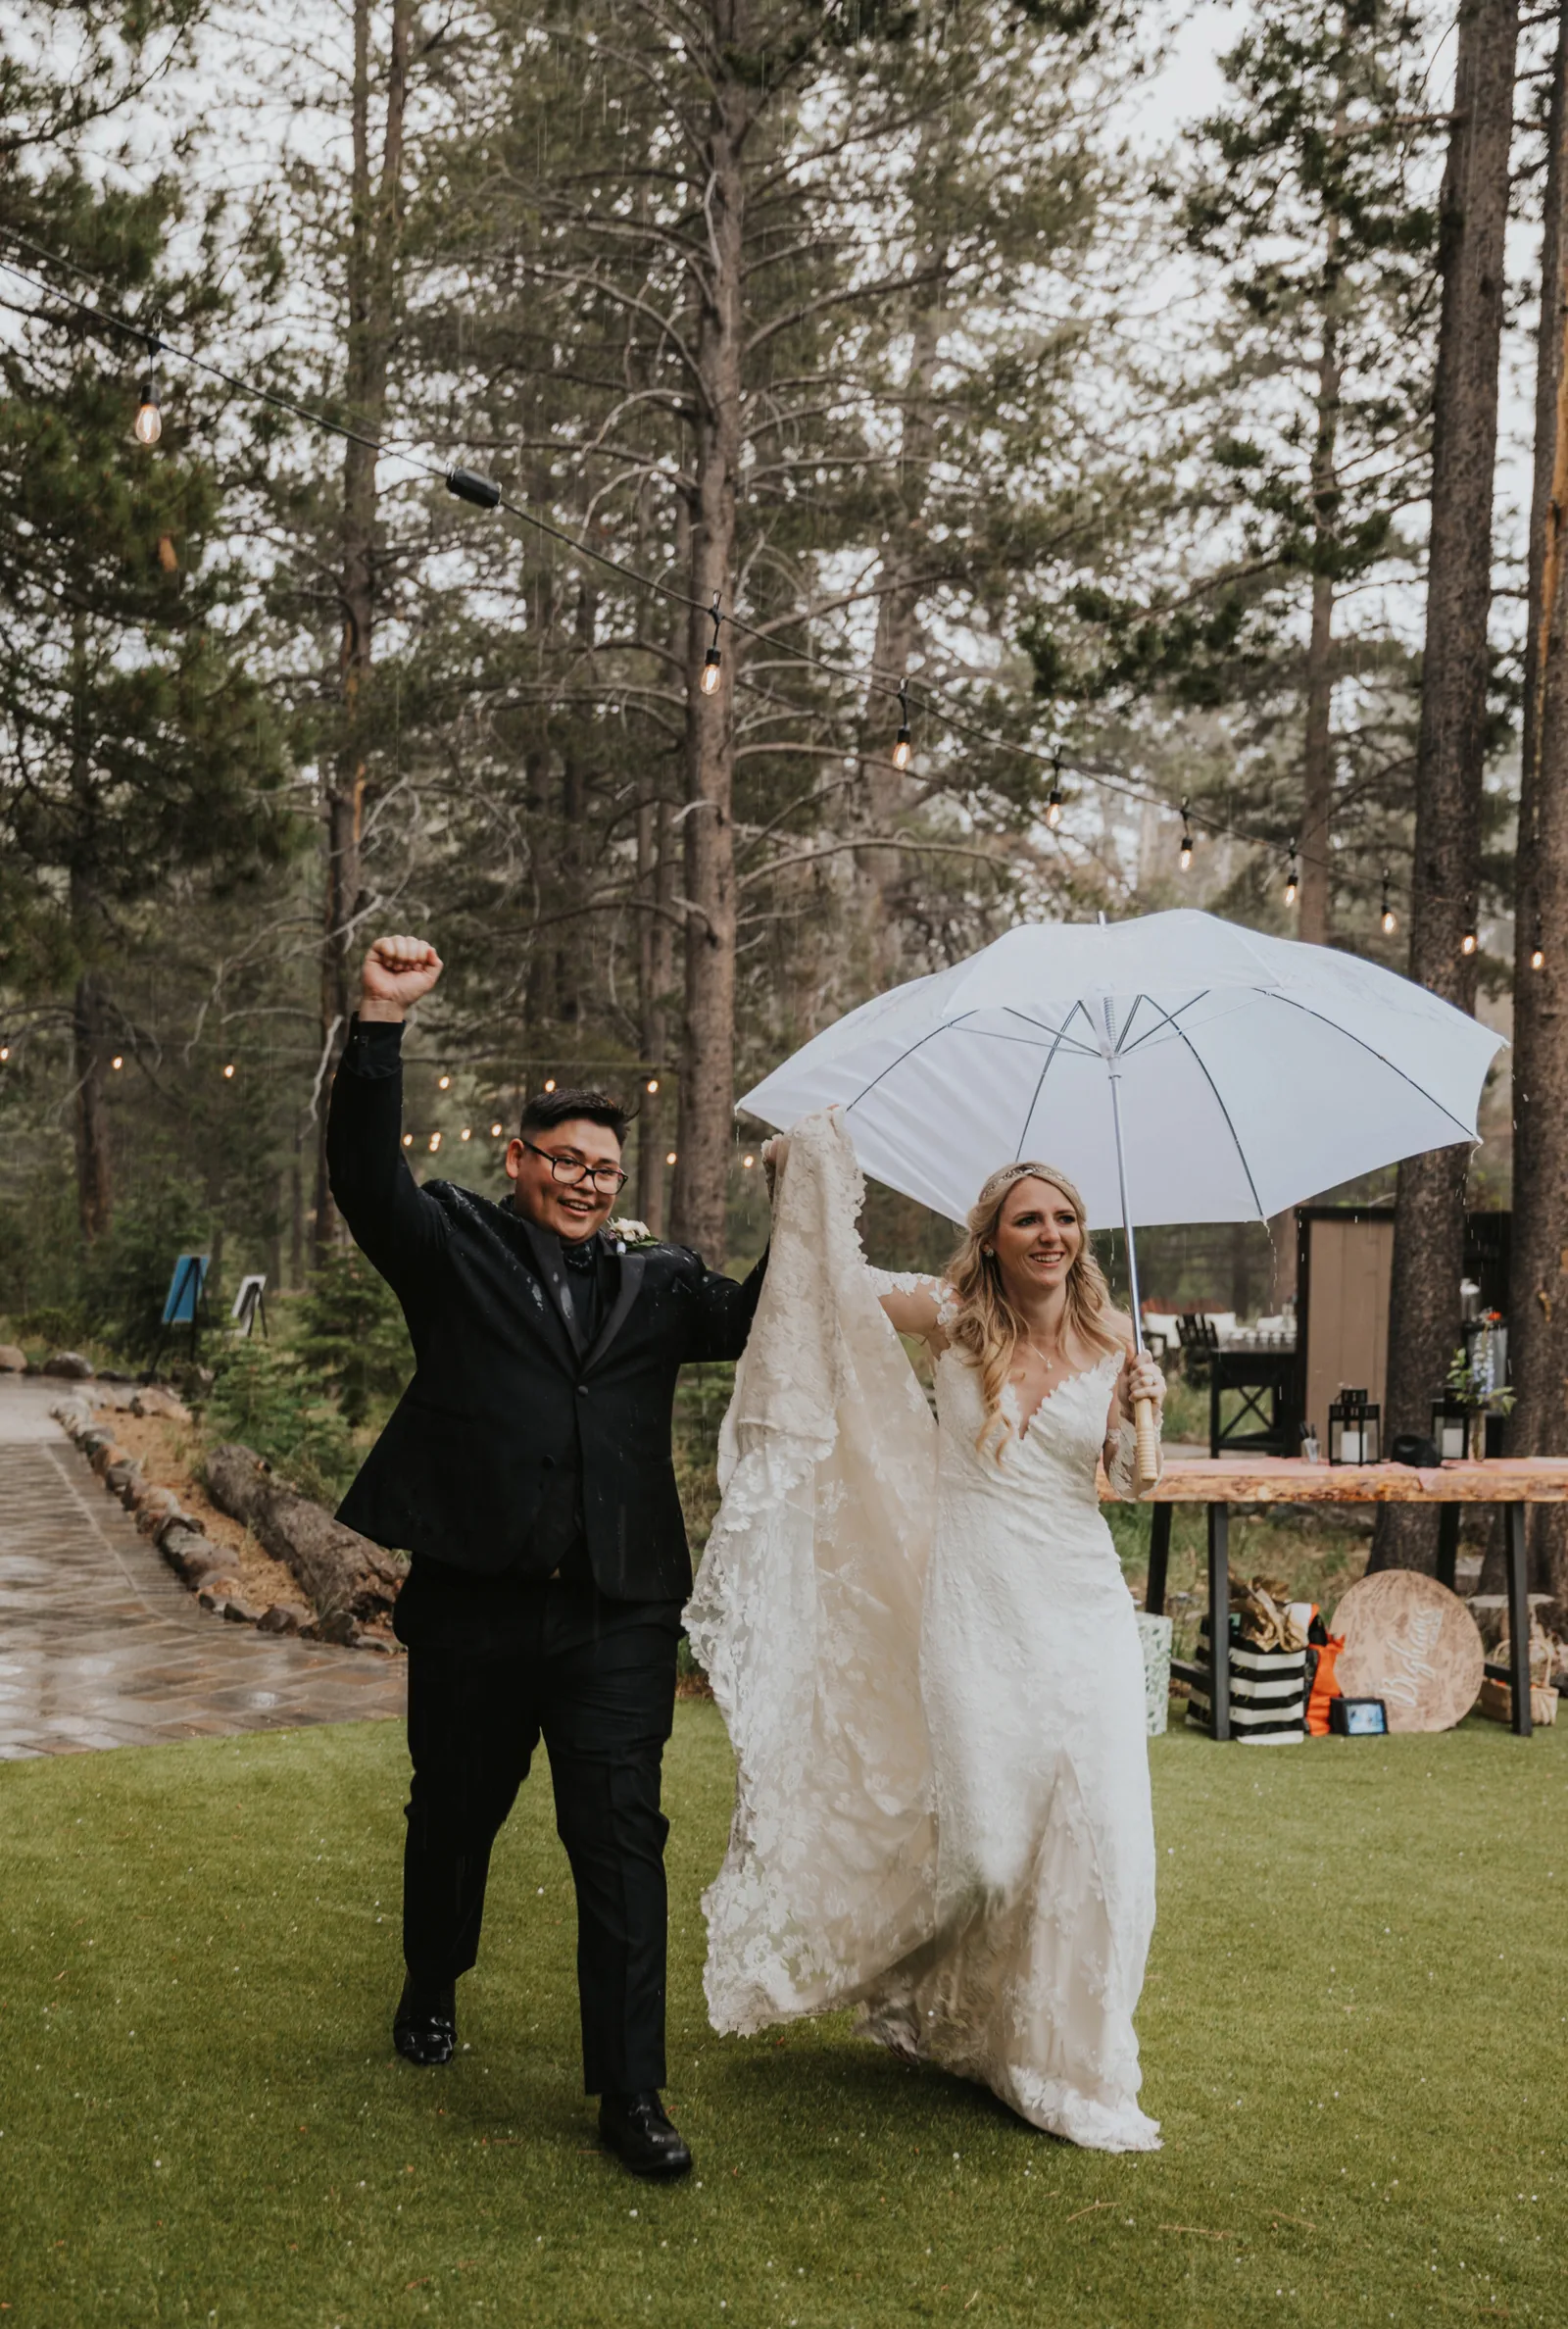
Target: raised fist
{"x":397,"y":972}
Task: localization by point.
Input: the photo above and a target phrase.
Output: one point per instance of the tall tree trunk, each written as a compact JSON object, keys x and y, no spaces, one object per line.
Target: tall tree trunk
{"x":880,"y":785}
{"x":1429,"y":1212}
{"x":1537,"y":1292}
{"x":374,"y":225}
{"x":1317,"y":743}
{"x":656,"y":952}
{"x":707,"y":1055}
{"x":94,"y":1180}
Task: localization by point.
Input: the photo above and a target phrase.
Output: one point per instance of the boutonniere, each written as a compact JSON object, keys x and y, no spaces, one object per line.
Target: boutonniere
{"x":628,"y":1235}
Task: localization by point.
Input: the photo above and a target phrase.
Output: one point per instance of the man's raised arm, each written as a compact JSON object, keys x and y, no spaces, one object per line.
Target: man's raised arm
{"x":393,"y":1222}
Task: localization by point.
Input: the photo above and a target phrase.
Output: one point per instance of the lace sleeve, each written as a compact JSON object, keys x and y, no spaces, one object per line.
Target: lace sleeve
{"x":901,"y":1281}
{"x":1122,"y":1469}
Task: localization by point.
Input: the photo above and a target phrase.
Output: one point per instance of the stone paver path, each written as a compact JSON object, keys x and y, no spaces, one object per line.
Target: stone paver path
{"x":100,"y":1645}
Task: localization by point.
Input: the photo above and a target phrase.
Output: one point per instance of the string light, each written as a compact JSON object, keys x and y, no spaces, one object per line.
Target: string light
{"x":713,"y":659}
{"x":407,"y":1140}
{"x":903,"y":747}
{"x":117,"y":1061}
{"x":5,"y":1051}
{"x":1187,"y":838}
{"x":550,"y":1083}
{"x":1293,"y":878}
{"x":747,"y":1163}
{"x":485,"y":494}
{"x":148,"y":425}
{"x":228,"y":1072}
{"x":435,"y":1142}
{"x":495,"y":1131}
{"x":443,"y":1083}
{"x":1054,"y":804}
{"x":669,"y":1156}
{"x":1467,"y":944}
{"x":466,"y":1133}
{"x":1538,"y":958}
{"x":652,"y":1085}
{"x":1390,"y":920}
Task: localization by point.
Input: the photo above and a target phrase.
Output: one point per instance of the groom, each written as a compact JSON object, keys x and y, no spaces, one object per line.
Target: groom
{"x":527,"y":1470}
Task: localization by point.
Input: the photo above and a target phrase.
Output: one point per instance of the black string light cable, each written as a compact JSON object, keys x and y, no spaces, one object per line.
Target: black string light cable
{"x":484,"y":493}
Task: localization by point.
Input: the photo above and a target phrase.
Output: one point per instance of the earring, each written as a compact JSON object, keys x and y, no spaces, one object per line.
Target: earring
{"x":990,"y":1253}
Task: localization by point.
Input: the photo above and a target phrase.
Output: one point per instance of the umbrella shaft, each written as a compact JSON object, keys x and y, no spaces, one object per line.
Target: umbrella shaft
{"x":1126,"y":1215}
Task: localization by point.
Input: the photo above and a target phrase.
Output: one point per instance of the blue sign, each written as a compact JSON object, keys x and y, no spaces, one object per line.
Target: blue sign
{"x":185,"y":1290}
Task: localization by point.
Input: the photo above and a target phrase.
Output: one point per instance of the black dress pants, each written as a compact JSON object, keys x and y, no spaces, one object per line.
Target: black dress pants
{"x":596,"y":1679}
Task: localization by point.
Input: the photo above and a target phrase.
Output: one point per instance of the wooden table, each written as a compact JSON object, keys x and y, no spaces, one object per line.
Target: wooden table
{"x":1218,"y":1483}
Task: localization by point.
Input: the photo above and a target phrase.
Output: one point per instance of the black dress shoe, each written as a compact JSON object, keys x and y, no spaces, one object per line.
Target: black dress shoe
{"x":638,"y":2132}
{"x":425,"y":2029}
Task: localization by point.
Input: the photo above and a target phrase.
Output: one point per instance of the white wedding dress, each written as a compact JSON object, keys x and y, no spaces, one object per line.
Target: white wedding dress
{"x":931,"y":1674}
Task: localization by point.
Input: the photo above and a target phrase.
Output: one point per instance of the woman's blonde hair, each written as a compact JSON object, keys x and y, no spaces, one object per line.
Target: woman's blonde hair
{"x":987,"y":1326}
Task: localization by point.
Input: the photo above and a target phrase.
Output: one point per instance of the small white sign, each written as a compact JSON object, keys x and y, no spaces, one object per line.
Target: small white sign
{"x":251,"y":1289}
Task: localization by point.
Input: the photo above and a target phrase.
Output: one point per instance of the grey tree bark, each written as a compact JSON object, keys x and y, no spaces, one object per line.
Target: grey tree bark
{"x":708,"y":1058}
{"x":1537,"y":1292}
{"x":374,"y":228}
{"x":1429,"y":1212}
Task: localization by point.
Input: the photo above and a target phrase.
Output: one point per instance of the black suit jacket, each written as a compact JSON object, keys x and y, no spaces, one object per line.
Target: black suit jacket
{"x":504,"y":1394}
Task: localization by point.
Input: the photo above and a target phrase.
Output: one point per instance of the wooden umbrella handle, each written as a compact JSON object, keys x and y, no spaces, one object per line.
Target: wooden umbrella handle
{"x":1147,"y":1424}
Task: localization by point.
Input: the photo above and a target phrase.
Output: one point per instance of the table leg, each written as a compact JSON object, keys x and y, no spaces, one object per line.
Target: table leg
{"x":1219,"y":1618}
{"x":1447,"y":1545}
{"x":1158,"y":1558}
{"x":1518,"y":1619}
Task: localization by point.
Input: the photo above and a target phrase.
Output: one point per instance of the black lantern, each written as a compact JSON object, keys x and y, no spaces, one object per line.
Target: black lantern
{"x":1355,"y":1429}
{"x":1451,"y":1428}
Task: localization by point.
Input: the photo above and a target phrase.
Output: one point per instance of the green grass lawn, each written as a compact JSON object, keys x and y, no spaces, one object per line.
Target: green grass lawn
{"x":1354,"y":2032}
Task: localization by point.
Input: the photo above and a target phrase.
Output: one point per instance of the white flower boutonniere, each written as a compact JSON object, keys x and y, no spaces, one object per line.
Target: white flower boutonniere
{"x":626,"y":1235}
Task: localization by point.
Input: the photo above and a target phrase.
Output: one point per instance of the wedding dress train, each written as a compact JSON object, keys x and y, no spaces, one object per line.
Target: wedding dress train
{"x":931,"y":1675}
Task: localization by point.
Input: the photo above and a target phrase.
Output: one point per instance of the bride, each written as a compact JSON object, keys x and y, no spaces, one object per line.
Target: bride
{"x":920,"y":1640}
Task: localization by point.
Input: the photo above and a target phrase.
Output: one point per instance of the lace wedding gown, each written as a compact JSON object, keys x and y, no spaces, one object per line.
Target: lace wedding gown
{"x":931,"y":1675}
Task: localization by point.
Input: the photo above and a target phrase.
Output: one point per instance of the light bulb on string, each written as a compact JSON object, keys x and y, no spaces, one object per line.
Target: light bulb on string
{"x":1468,"y":943}
{"x":1053,"y":801}
{"x":1293,"y":878}
{"x":669,"y":1157}
{"x":407,"y":1140}
{"x":495,"y":1131}
{"x":148,"y":425}
{"x":149,"y":421}
{"x":1538,"y":958}
{"x":904,"y":746}
{"x":228,"y":1072}
{"x":443,"y":1083}
{"x":1185,"y":852}
{"x":550,"y":1083}
{"x":652,"y":1085}
{"x":1390,"y":920}
{"x":712,"y":659}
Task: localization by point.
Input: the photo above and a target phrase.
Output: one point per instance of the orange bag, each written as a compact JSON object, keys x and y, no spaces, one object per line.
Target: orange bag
{"x":1325,"y":1687}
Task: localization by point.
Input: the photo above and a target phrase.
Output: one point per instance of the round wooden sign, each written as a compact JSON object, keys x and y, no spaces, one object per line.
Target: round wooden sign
{"x":1411,"y":1642}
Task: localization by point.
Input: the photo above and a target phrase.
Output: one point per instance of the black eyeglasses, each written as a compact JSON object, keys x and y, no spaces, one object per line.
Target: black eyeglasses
{"x":606,"y":1180}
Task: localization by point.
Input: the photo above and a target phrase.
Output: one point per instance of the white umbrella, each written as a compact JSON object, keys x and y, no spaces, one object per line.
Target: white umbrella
{"x":1177,"y":1067}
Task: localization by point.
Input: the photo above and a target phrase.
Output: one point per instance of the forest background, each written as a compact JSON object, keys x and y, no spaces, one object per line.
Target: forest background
{"x":871,"y":345}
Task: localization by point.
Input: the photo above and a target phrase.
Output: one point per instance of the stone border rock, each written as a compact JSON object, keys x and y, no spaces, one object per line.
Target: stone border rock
{"x":201,"y":1566}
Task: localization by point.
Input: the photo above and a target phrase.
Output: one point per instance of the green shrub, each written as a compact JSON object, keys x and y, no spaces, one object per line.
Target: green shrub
{"x":264,"y":1398}
{"x":126,"y":1275}
{"x":352,"y":1338}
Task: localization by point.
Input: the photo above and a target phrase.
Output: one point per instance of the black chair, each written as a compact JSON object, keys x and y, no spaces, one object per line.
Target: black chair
{"x":1198,"y":1338}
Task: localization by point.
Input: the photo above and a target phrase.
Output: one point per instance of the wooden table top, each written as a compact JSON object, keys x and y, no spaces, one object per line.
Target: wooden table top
{"x":1288,"y":1480}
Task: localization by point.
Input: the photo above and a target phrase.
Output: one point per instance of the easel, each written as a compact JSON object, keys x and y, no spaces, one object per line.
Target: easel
{"x":182,"y":1306}
{"x":250,"y":1304}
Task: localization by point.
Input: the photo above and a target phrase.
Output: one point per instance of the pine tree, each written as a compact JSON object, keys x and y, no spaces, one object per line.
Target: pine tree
{"x":137,"y":743}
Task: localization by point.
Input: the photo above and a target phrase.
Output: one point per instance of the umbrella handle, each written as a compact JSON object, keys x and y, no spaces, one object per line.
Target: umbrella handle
{"x":1147,"y":1468}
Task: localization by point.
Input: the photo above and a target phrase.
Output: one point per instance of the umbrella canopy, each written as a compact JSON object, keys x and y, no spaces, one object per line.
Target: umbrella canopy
{"x":1249,"y":1072}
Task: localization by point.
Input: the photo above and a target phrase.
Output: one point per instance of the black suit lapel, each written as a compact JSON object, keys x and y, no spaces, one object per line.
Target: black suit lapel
{"x":546,"y":1251}
{"x":632,"y":1266}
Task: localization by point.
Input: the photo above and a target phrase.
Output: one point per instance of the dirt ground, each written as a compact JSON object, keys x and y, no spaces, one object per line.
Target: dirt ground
{"x":168,"y":1453}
